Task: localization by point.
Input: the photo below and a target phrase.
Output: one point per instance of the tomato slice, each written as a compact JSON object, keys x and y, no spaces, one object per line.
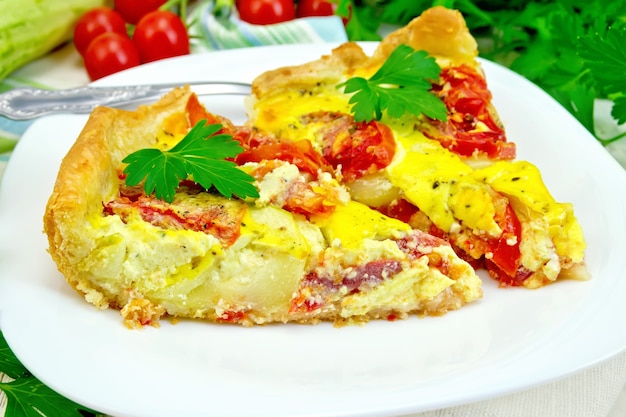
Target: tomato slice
{"x":471,"y":129}
{"x":489,"y":143}
{"x":303,"y":199}
{"x":300,"y":153}
{"x":506,"y":249}
{"x":220,"y":220}
{"x":504,"y":263}
{"x":197,"y":112}
{"x":400,"y":209}
{"x":360,"y":148}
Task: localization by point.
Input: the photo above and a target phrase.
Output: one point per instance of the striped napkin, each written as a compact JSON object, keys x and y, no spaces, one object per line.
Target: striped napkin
{"x":214,"y":32}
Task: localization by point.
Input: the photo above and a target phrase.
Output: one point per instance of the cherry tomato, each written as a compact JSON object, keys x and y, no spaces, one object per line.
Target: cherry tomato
{"x":299,"y":153}
{"x":161,"y":34}
{"x":306,"y":8}
{"x":94,"y":23}
{"x":133,"y":10}
{"x":265,"y":12}
{"x":110,"y":53}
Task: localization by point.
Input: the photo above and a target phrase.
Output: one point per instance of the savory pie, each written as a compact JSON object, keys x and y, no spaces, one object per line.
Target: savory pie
{"x":353,"y":220}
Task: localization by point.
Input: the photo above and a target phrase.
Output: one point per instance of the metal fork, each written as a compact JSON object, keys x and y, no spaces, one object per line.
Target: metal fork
{"x":29,"y":103}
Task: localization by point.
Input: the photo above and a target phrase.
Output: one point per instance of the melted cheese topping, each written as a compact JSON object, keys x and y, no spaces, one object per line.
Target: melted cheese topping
{"x":436,"y":180}
{"x":349,"y":225}
{"x":280,"y":113}
{"x":522,"y":181}
{"x":440,"y":184}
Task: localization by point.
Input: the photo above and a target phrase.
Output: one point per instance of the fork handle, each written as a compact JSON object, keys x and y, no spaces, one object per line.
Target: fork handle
{"x":28,"y":102}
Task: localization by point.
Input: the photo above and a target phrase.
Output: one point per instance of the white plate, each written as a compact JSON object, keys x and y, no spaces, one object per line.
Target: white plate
{"x":511,"y":340}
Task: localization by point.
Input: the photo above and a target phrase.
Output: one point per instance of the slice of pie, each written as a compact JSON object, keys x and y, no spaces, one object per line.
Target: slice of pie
{"x":303,"y":251}
{"x":456,"y":178}
{"x":351,"y":221}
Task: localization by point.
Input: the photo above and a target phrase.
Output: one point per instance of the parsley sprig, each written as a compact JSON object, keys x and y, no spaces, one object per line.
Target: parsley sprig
{"x":401,"y":85}
{"x":201,"y":156}
{"x":573,"y":49}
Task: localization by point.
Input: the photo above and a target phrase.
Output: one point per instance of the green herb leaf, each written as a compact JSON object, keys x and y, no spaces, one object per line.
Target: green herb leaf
{"x":200,"y":155}
{"x":9,"y":364}
{"x":619,"y":109}
{"x":401,"y":85}
{"x":362,"y":23}
{"x":29,"y":397}
{"x":604,"y":56}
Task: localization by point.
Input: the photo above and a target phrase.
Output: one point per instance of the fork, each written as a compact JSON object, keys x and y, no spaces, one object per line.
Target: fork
{"x":29,"y":103}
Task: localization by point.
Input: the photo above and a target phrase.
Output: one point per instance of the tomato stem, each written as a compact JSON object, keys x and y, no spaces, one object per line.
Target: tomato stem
{"x":6,"y":144}
{"x":182,"y":8}
{"x":608,"y":141}
{"x":223,"y":8}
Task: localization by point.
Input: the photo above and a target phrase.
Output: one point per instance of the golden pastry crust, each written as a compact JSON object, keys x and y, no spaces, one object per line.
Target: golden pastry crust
{"x":439,"y":31}
{"x":329,"y":69}
{"x":88,"y":175}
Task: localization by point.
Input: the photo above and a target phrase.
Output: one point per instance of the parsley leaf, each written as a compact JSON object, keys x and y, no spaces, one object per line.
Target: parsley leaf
{"x":361,"y":22}
{"x":29,"y":397}
{"x":619,"y":109}
{"x":604,"y":56}
{"x":573,"y":49}
{"x":9,"y":364}
{"x":401,"y":85}
{"x":200,"y":155}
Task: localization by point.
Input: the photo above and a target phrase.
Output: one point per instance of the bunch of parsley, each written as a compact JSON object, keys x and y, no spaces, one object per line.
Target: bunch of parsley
{"x":575,"y":50}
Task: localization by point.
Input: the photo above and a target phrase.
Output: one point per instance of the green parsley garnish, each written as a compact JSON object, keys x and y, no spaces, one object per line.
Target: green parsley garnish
{"x":604,"y":57}
{"x":573,"y":49}
{"x":200,"y":156}
{"x":401,"y":85}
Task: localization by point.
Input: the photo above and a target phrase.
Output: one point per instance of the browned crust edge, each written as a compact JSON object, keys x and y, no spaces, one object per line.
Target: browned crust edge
{"x":87,"y":174}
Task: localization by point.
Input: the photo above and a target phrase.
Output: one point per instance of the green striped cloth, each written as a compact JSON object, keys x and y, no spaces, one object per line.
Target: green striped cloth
{"x":230,"y":32}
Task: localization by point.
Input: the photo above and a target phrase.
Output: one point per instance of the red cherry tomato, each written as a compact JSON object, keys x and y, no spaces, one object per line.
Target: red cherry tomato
{"x":265,"y":12}
{"x":161,"y":34}
{"x":133,"y":10}
{"x":307,"y":8}
{"x":94,"y":23}
{"x":110,"y":53}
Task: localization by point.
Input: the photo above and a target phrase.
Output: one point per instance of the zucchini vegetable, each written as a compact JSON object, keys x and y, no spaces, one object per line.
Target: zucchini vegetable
{"x":31,"y":28}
